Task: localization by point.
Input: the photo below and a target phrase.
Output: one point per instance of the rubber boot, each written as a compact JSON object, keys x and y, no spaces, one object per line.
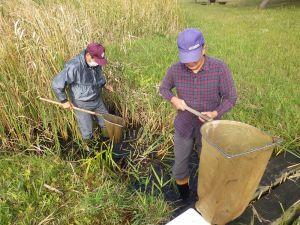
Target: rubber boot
{"x":184,"y":191}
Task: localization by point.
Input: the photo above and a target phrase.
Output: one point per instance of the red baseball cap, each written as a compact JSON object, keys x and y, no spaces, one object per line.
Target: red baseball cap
{"x":97,"y":51}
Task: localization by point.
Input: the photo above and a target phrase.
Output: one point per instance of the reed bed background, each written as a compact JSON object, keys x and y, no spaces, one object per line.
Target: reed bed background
{"x":40,"y":36}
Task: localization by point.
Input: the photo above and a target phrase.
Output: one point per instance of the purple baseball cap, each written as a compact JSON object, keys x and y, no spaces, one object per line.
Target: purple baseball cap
{"x":190,"y":43}
{"x":97,"y":51}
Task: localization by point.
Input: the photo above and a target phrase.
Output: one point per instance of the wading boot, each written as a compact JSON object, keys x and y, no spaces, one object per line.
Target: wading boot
{"x":184,"y":191}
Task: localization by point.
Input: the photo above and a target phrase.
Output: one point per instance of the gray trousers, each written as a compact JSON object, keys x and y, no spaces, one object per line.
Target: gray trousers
{"x":85,"y":120}
{"x":183,"y":148}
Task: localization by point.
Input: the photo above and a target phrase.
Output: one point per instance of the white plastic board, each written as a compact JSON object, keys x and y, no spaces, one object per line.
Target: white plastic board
{"x":189,"y":217}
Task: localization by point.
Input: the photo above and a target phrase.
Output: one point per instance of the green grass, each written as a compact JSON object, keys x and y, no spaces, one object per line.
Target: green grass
{"x":262,"y":51}
{"x":97,"y":198}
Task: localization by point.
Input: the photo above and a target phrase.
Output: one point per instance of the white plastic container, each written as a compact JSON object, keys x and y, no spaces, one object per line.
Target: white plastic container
{"x":189,"y":217}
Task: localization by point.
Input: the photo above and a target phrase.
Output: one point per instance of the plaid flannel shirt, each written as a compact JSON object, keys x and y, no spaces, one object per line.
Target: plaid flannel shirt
{"x":212,"y":88}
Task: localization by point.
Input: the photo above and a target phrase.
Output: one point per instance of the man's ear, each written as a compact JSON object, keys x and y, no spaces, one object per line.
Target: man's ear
{"x":88,"y":57}
{"x":204,"y":50}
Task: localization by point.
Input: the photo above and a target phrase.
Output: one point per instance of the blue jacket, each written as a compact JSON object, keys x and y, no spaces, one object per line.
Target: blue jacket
{"x":85,"y":82}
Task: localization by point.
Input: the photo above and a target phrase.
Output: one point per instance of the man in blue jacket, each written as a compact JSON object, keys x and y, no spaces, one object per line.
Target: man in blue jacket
{"x":84,"y":78}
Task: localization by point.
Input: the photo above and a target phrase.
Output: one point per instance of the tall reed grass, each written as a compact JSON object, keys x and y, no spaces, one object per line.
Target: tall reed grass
{"x":39,"y":36}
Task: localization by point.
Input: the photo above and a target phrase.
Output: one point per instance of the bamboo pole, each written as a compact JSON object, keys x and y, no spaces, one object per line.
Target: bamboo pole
{"x":82,"y":110}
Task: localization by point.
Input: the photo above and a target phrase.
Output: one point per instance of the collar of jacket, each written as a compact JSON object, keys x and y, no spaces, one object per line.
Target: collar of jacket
{"x":83,"y":61}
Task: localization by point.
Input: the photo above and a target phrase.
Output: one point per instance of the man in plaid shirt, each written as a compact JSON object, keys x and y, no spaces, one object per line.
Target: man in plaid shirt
{"x":202,"y":83}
